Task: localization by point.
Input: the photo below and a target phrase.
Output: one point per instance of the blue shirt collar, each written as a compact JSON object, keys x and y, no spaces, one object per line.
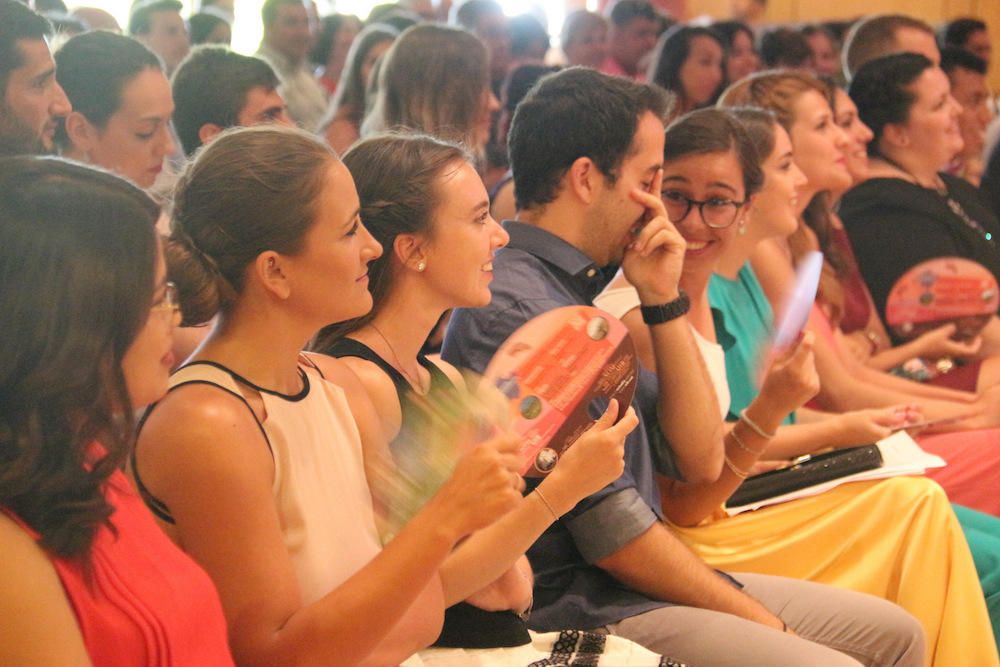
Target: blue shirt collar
{"x":589,"y":278}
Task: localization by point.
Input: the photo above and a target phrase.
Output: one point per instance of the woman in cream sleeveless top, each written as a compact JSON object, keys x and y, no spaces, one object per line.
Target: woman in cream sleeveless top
{"x":319,"y":486}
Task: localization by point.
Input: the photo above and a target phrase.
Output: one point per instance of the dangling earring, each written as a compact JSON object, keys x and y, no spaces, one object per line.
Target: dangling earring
{"x":421,"y":265}
{"x":742,"y":230}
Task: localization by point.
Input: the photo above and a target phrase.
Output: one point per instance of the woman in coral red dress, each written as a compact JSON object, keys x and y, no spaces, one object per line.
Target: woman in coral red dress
{"x":88,"y":577}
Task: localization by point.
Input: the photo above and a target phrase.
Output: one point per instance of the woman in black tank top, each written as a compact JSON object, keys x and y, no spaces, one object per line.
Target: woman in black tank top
{"x":423,"y":201}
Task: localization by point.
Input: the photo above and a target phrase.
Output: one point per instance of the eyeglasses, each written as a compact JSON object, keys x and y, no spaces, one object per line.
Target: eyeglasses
{"x":717,"y":213}
{"x":170,"y":303}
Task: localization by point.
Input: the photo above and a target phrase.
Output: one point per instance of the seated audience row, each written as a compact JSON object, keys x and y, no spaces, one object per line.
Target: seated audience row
{"x":347,"y":500}
{"x":731,"y":224}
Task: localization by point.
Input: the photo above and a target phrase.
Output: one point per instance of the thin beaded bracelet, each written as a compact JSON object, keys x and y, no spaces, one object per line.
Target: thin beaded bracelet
{"x":742,"y":474}
{"x":753,"y":426}
{"x":742,"y":445}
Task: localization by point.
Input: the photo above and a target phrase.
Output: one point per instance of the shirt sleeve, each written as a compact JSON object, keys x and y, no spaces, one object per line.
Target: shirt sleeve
{"x":609,"y":524}
{"x":618,"y":301}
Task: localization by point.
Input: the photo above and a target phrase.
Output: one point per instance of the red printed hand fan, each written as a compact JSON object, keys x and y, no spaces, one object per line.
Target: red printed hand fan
{"x":552,"y":369}
{"x":941,"y":291}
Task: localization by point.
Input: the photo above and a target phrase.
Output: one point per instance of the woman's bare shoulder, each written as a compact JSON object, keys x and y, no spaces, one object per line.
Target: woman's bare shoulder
{"x":39,"y":626}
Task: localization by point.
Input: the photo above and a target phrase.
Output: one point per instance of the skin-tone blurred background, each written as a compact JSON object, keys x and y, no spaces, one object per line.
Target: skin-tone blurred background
{"x":247,"y":29}
{"x":783,"y":11}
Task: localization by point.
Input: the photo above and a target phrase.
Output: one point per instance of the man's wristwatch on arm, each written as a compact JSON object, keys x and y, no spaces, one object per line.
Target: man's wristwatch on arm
{"x":665,"y":312}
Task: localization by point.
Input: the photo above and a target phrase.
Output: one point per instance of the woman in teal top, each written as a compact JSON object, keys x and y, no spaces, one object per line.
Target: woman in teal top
{"x":741,"y":303}
{"x":738,"y":299}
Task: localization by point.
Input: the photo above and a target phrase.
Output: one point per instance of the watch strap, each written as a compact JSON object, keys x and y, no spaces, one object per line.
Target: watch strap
{"x":665,"y":312}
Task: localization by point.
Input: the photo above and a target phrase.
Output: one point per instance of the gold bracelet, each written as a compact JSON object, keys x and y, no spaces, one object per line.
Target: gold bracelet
{"x":742,"y":445}
{"x":742,"y":474}
{"x":538,"y":492}
{"x":753,"y":426}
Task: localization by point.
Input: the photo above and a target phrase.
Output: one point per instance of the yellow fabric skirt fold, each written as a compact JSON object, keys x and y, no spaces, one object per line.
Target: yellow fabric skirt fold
{"x":896,"y":538}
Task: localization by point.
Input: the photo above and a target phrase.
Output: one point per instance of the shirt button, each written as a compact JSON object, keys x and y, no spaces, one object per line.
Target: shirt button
{"x":591,"y":273}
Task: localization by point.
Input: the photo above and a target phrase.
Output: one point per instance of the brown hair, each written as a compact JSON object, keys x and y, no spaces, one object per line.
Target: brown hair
{"x":397,"y":179}
{"x":93,"y":69}
{"x":774,"y":90}
{"x":777,"y":91}
{"x":759,"y":124}
{"x":875,"y":36}
{"x":818,"y":217}
{"x":250,"y":190}
{"x":433,"y":79}
{"x":350,"y":101}
{"x":75,"y":242}
{"x":706,"y":131}
{"x":578,"y":24}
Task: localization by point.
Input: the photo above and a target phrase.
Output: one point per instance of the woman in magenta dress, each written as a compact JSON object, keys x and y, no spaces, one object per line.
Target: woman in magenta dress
{"x":88,"y":577}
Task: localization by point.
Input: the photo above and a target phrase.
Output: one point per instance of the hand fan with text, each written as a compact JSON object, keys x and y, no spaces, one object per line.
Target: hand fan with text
{"x":552,"y":369}
{"x":939,"y":291}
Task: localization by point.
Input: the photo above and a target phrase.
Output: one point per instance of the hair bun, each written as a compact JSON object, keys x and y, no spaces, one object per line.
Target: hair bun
{"x":200,"y":284}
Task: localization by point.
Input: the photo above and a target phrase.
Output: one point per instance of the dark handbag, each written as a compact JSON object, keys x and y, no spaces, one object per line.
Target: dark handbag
{"x":807,"y":471}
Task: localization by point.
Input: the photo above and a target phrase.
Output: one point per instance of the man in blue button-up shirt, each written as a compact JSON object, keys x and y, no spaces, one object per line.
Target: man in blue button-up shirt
{"x":586,"y":151}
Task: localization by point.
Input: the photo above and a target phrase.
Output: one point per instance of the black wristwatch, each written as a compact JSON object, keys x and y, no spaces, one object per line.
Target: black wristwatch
{"x":666,"y":312}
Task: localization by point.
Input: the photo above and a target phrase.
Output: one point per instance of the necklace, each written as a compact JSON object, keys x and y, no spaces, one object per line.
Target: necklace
{"x":415,"y":382}
{"x":941,"y":188}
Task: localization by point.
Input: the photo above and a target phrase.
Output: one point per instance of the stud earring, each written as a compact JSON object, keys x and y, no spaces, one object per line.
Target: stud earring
{"x":421,"y":265}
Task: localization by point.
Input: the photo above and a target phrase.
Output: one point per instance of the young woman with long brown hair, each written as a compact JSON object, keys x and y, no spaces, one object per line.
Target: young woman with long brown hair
{"x":435,"y":79}
{"x":88,"y":577}
{"x":427,"y":206}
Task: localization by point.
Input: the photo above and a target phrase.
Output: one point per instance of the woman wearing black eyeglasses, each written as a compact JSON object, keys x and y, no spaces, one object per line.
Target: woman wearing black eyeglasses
{"x":712,"y":180}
